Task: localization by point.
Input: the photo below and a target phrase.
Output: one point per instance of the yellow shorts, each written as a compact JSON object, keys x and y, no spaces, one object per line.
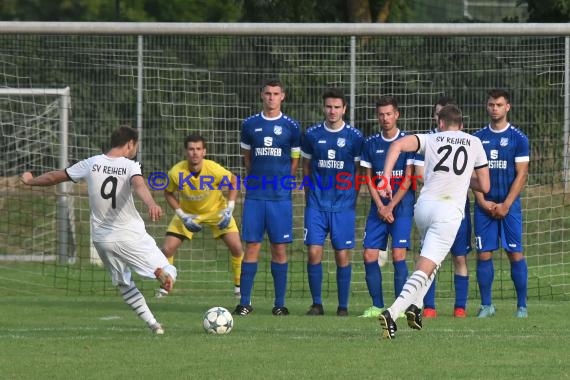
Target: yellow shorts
{"x":177,"y":227}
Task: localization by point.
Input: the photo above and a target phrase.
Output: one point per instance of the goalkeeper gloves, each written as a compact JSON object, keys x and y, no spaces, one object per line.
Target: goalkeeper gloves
{"x":189,"y":221}
{"x":226,"y":216}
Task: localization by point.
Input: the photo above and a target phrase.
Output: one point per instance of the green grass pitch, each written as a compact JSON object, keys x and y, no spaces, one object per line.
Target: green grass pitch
{"x":46,"y":334}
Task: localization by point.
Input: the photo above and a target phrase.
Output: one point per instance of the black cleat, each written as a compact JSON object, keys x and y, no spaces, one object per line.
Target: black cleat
{"x":316,"y":309}
{"x":280,"y":310}
{"x":243,"y":311}
{"x":342,"y":312}
{"x":414,"y":317}
{"x":389,"y":327}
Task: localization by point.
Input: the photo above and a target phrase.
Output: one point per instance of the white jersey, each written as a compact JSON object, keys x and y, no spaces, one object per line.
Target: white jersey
{"x":113,"y":213}
{"x":450,"y":158}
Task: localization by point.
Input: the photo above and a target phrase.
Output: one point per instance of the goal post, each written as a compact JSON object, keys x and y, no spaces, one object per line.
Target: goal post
{"x":65,"y":234}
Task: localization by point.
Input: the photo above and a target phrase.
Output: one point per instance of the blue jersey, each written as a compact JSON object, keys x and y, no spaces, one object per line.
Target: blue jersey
{"x":504,"y":149}
{"x":272,"y":143}
{"x":373,"y":157}
{"x":334,"y":158}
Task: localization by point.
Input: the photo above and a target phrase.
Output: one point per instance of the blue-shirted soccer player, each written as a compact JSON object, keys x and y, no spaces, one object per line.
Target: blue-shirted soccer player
{"x":270,"y":142}
{"x":498,"y":214}
{"x":393,"y":217}
{"x":331,"y":151}
{"x":460,"y":248}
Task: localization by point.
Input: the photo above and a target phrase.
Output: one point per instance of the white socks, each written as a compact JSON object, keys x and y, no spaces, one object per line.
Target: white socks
{"x":134,"y":298}
{"x":412,"y":289}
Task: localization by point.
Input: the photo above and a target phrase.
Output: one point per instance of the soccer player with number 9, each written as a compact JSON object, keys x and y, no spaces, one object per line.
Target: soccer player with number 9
{"x":118,"y":232}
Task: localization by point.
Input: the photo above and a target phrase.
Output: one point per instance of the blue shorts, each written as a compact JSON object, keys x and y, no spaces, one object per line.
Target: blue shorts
{"x":275,"y":217}
{"x":377,"y":231}
{"x":341,"y":226}
{"x":488,"y":230}
{"x":462,"y":244}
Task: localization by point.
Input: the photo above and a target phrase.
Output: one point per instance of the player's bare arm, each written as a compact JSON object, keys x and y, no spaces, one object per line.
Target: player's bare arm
{"x":502,"y":209}
{"x":139,"y":186}
{"x":481,"y":180}
{"x":487,"y":206}
{"x":47,"y":179}
{"x":408,"y":143}
{"x":405,"y":184}
{"x":171,"y":199}
{"x":374,"y":191}
{"x":306,"y":173}
{"x":294,"y":165}
{"x":246,"y":160}
{"x":233,"y":191}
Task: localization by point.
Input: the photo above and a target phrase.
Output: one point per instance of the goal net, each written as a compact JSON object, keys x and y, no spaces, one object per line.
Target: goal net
{"x":208,"y":84}
{"x":34,"y":125}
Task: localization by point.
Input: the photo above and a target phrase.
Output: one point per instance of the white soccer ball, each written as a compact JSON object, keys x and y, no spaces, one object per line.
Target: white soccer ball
{"x":218,"y":320}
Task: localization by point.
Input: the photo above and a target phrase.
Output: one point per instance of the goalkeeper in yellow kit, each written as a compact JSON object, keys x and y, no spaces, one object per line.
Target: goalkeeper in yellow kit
{"x":195,"y":193}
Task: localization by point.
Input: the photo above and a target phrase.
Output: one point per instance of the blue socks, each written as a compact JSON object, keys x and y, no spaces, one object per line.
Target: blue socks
{"x":400,"y":276}
{"x":485,"y":277}
{"x":461,"y":290}
{"x":279,"y":273}
{"x":519,"y":275}
{"x":343,"y":275}
{"x":374,"y":283}
{"x":315,"y":275}
{"x":429,"y":299}
{"x":248,"y":272}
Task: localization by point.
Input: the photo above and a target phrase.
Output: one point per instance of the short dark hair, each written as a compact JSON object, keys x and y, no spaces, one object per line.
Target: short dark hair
{"x":335,"y":93}
{"x":499,"y":92}
{"x":451,"y":115}
{"x":272,"y":82}
{"x":123,"y":135}
{"x":387,"y":100}
{"x":194,"y":138}
{"x":443,"y":101}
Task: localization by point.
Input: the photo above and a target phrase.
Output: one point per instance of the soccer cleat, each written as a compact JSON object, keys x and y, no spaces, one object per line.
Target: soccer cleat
{"x":159,"y":293}
{"x":157,"y":329}
{"x":342,"y":311}
{"x":429,"y":312}
{"x":237,"y":292}
{"x":388,"y":325}
{"x":522,"y":312}
{"x":243,"y":311}
{"x":372,"y":312}
{"x":486,"y":311}
{"x":459,"y":312}
{"x":280,"y":310}
{"x":316,"y":309}
{"x":166,"y":281}
{"x":414,"y":317}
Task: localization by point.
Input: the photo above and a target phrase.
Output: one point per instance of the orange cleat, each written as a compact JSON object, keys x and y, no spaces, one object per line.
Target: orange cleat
{"x":459,"y":312}
{"x":429,"y":313}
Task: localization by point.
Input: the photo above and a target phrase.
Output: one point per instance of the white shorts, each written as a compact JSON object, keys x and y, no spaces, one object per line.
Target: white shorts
{"x":141,"y":255}
{"x":437,"y":223}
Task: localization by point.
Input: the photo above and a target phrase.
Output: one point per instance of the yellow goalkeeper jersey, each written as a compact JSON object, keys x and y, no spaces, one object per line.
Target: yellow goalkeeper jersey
{"x":200,"y":193}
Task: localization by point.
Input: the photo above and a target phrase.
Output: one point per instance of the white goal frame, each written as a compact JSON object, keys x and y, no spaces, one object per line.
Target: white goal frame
{"x":66,"y":252}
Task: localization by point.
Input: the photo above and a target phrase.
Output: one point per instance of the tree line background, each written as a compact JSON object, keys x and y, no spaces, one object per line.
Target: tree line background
{"x":287,"y":10}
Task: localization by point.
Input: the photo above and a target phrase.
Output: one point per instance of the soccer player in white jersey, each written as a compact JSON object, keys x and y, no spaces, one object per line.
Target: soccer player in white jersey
{"x":117,"y":230}
{"x":454,"y":161}
{"x":461,"y":246}
{"x":498,"y":214}
{"x":331,"y":153}
{"x":270,"y":143}
{"x":195,"y":193}
{"x":387,"y":218}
